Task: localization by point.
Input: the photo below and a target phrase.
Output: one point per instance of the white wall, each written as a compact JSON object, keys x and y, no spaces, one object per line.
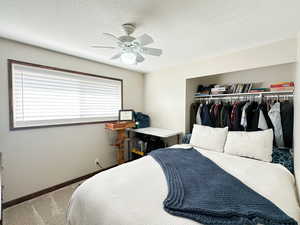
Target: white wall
{"x":260,"y":77}
{"x":165,"y":90}
{"x":35,"y":159}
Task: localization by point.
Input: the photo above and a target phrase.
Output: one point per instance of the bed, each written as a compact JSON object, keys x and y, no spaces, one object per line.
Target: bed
{"x":133,"y":193}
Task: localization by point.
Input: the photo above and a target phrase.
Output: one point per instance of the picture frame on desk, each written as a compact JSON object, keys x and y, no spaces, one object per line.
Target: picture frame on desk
{"x":126,"y":115}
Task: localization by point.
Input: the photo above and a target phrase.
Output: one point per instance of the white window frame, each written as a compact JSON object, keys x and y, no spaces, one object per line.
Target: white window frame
{"x":56,"y":122}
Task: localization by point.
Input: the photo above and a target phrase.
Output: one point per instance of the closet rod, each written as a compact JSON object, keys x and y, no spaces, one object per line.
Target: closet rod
{"x":240,"y":95}
{"x":245,"y":97}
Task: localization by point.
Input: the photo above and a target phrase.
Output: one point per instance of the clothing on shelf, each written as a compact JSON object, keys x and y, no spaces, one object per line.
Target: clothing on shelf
{"x":249,"y":116}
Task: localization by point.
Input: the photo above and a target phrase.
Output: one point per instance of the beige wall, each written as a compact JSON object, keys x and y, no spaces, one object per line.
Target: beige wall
{"x":165,"y":90}
{"x":35,"y":159}
{"x":261,"y":77}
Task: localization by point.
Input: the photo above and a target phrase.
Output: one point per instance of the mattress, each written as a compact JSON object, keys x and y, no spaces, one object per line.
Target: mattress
{"x":133,"y":193}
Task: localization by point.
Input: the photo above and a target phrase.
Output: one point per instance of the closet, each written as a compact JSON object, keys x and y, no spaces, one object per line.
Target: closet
{"x":245,"y":111}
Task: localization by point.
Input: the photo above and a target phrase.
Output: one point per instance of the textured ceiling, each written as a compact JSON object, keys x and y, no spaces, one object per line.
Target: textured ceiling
{"x":185,"y":30}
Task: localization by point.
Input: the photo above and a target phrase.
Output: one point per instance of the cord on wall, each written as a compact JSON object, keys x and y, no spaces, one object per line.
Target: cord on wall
{"x":97,"y":163}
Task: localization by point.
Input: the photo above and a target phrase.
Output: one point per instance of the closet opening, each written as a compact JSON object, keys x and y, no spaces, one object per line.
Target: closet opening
{"x":266,"y":94}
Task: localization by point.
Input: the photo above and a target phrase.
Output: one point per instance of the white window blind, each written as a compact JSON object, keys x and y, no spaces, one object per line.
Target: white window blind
{"x":44,"y":97}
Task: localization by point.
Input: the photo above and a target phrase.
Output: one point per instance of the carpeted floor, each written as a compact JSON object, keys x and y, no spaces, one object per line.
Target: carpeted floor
{"x":49,"y":209}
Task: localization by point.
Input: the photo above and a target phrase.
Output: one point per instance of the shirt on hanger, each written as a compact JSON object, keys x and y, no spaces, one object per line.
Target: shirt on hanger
{"x":193,"y":111}
{"x":243,"y":117}
{"x":198,"y":115}
{"x":287,"y":122}
{"x":236,"y":120}
{"x":217,"y":114}
{"x":225,"y":115}
{"x":252,"y":116}
{"x":275,"y":117}
{"x":264,"y":108}
{"x":262,"y":123}
{"x":205,"y":115}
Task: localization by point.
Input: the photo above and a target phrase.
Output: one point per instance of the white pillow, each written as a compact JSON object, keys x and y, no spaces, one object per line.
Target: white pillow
{"x":256,"y":145}
{"x":209,"y":138}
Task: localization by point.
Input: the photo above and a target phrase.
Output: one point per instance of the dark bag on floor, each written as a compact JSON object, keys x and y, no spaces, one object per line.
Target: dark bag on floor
{"x":152,"y":142}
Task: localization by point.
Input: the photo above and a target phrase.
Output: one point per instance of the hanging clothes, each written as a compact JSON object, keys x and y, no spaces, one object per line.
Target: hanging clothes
{"x":222,"y":115}
{"x":287,"y":121}
{"x":236,"y":116}
{"x":264,"y":108}
{"x":198,"y":115}
{"x":217,"y":114}
{"x":225,"y":115}
{"x":262,"y":123}
{"x":233,"y":115}
{"x":206,"y":116}
{"x":248,"y":116}
{"x":252,"y":116}
{"x":275,"y":117}
{"x":193,"y":112}
{"x":243,"y":117}
{"x":212,"y":115}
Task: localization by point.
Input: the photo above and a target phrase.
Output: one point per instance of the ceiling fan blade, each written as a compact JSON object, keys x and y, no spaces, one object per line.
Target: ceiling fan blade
{"x":111,"y":36}
{"x":151,"y":51}
{"x":99,"y":46}
{"x":139,"y":58}
{"x":116,"y":56}
{"x":145,"y":39}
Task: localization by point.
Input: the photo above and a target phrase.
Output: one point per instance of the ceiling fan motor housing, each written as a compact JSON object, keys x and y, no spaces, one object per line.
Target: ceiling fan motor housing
{"x":128,"y":28}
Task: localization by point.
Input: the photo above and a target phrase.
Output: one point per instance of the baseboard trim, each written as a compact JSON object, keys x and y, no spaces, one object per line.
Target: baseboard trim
{"x":50,"y":189}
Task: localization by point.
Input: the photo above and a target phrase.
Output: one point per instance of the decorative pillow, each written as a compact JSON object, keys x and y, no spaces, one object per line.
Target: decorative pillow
{"x":209,"y":138}
{"x":255,"y":144}
{"x":283,"y":157}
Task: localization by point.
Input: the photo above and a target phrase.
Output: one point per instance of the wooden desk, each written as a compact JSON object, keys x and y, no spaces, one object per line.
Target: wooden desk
{"x":120,"y":128}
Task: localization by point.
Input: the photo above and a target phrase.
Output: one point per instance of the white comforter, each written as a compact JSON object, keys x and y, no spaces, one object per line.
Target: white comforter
{"x":133,"y":193}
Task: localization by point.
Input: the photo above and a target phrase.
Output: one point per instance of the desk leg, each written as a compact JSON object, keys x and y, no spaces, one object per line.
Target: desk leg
{"x":129,"y":147}
{"x":121,"y":136}
{"x":178,"y":138}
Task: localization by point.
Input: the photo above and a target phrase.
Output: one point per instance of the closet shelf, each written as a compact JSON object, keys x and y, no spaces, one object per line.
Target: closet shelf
{"x":198,"y":96}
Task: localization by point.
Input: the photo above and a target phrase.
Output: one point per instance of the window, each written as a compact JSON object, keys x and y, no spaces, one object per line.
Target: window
{"x":46,"y":96}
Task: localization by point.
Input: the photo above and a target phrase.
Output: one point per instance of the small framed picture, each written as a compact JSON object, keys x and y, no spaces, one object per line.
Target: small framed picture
{"x":126,"y":115}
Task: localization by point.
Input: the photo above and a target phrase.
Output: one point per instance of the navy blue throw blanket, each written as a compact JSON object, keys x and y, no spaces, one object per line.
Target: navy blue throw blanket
{"x":202,"y":191}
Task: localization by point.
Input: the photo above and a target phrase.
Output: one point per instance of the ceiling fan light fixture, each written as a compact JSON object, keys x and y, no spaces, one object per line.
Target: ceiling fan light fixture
{"x":131,"y":50}
{"x":128,"y":58}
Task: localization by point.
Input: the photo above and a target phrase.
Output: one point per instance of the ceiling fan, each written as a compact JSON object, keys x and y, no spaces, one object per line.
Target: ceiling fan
{"x":131,"y":49}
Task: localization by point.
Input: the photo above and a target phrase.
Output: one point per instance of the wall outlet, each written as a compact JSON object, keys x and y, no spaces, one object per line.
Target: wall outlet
{"x":97,"y":163}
